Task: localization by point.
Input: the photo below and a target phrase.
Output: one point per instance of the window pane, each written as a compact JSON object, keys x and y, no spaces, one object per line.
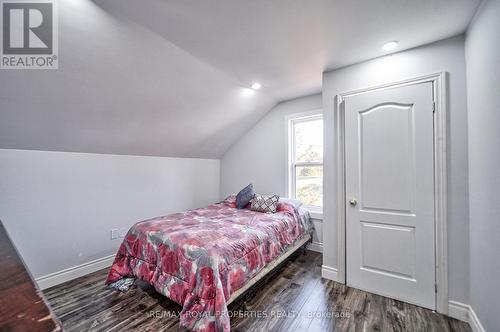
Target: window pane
{"x":309,"y":185}
{"x":308,"y":140}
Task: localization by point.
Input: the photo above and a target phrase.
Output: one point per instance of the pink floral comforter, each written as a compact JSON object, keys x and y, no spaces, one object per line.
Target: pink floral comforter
{"x":199,"y":258}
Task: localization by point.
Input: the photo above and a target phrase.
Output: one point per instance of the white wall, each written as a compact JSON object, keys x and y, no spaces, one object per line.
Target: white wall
{"x":118,"y":75}
{"x":59,"y":207}
{"x":447,"y":55}
{"x":482,"y":50}
{"x":259,"y":156}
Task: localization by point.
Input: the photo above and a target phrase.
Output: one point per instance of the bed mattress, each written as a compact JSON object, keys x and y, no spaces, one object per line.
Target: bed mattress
{"x":199,"y":258}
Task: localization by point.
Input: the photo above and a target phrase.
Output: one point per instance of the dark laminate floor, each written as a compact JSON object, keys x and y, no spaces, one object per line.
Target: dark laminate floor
{"x":289,"y":299}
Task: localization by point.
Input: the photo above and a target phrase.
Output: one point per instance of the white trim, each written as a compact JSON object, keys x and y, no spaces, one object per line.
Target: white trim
{"x":474,"y":322}
{"x":439,"y":81}
{"x":316,"y":215}
{"x":341,"y":196}
{"x":459,"y":311}
{"x":330,"y":273}
{"x":74,"y":272}
{"x":315,"y":246}
{"x":465,"y":313}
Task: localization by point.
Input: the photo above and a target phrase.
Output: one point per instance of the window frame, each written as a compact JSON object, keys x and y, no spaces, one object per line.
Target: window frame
{"x":291,"y":165}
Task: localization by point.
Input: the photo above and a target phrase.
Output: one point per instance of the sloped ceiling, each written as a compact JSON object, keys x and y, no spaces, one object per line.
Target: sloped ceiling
{"x":170,"y":78}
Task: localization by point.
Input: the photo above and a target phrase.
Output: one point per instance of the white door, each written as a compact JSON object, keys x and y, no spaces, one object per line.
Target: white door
{"x":390,"y":193}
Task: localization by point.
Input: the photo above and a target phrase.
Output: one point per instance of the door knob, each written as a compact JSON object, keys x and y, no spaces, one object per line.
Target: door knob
{"x":353,"y":202}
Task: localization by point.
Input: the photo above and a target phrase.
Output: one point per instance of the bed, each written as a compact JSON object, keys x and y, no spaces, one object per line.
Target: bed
{"x":204,"y":259}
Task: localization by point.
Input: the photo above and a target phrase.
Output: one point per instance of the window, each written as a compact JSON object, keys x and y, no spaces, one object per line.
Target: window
{"x":306,"y":160}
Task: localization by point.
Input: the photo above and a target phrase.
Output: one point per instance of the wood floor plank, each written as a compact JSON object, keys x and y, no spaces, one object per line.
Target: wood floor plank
{"x":294,"y":298}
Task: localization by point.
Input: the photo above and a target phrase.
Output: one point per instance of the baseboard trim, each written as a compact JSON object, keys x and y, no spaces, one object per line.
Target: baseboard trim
{"x":474,"y":322}
{"x":328,"y":272}
{"x":315,"y":246}
{"x":458,"y":310}
{"x":74,"y":272}
{"x":464,"y":312}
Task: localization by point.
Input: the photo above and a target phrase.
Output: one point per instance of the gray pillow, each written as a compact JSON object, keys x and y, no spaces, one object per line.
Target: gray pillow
{"x":244,"y":196}
{"x":267,"y":204}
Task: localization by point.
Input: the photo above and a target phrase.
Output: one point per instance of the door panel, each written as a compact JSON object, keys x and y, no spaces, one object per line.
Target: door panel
{"x":390,"y":193}
{"x":397,"y":257}
{"x":387,"y":182}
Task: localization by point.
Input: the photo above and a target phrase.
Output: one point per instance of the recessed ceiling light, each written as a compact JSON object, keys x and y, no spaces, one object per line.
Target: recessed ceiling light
{"x":390,"y":46}
{"x":256,"y":86}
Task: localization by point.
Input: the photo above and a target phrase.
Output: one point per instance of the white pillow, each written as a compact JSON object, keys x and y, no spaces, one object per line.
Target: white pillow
{"x":292,"y":201}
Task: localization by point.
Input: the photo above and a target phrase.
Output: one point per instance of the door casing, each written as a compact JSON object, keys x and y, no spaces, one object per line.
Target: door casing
{"x":439,"y":82}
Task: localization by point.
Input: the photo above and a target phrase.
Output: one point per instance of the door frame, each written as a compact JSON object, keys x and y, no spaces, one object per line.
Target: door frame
{"x":440,"y":84}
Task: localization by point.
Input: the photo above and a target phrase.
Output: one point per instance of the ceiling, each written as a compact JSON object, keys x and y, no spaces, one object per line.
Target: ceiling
{"x":169,"y":78}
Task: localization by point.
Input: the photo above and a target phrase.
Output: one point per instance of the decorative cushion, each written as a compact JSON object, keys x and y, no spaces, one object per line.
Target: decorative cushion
{"x":263,"y":203}
{"x":244,"y":196}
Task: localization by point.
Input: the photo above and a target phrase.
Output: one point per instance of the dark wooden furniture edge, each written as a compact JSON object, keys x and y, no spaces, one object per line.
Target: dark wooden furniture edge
{"x":23,"y":306}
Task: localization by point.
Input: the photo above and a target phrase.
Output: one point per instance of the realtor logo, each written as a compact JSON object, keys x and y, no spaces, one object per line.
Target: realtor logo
{"x":29,"y":34}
